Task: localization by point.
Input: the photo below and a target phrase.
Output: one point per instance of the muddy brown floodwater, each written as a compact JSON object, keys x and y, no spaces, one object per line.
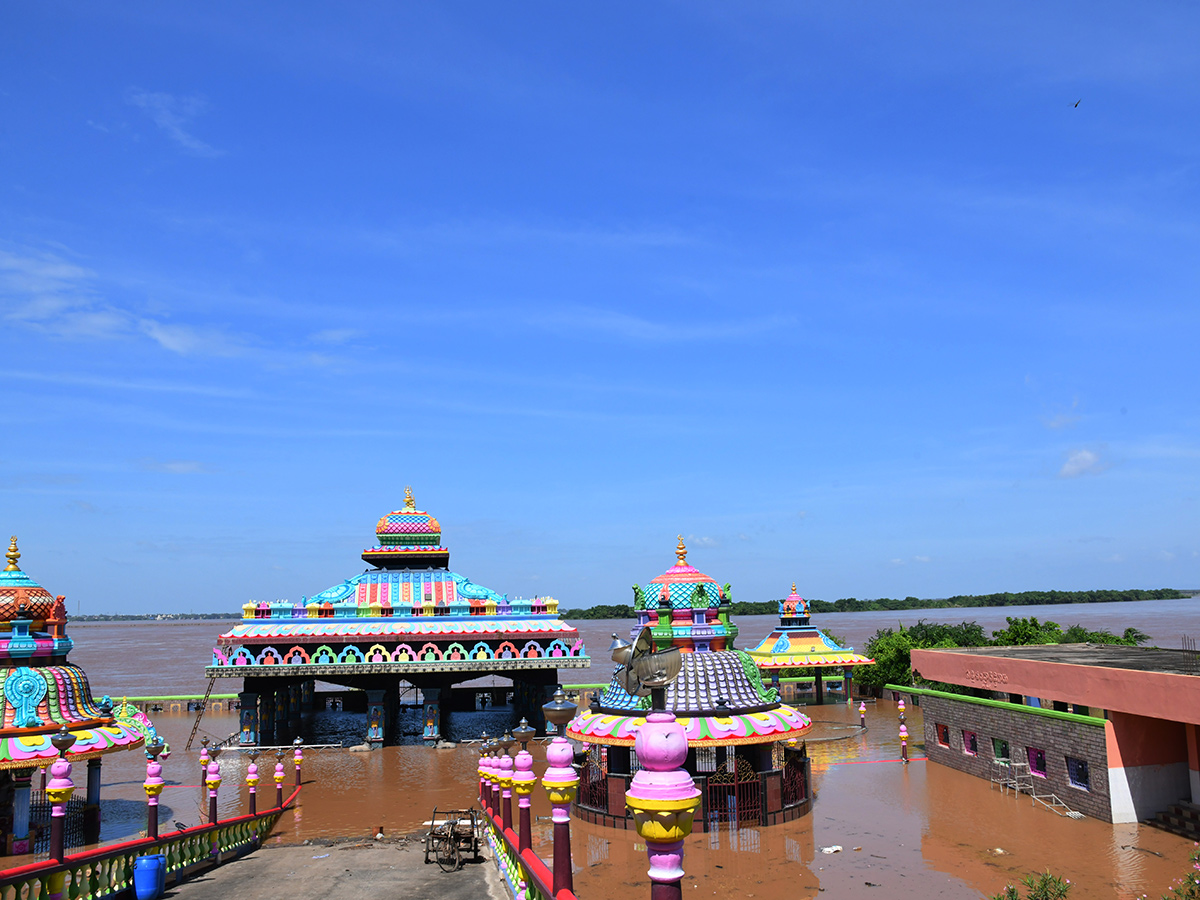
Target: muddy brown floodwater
{"x":920,"y":829}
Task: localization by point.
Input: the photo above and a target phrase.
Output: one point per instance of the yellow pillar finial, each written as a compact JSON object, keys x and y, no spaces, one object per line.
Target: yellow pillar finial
{"x":409,"y":502}
{"x":13,"y":555}
{"x":793,"y":587}
{"x":681,"y":553}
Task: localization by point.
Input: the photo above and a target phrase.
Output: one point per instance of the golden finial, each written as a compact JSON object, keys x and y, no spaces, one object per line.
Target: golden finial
{"x":409,"y":502}
{"x":681,"y":553}
{"x":793,"y":587}
{"x":13,"y":555}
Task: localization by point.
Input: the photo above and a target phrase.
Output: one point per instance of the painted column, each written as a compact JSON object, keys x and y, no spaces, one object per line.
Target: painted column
{"x":22,"y":785}
{"x":204,"y":760}
{"x":848,"y":682}
{"x":252,"y":783}
{"x":297,"y":758}
{"x":153,"y":786}
{"x":91,"y":811}
{"x":904,"y":744}
{"x":523,"y":782}
{"x":376,"y":719}
{"x":862,"y":714}
{"x":561,"y":782}
{"x":213,"y":781}
{"x":663,"y":800}
{"x":266,"y":717}
{"x":306,"y":695}
{"x":495,"y":778}
{"x":506,"y":786}
{"x":58,"y":791}
{"x":279,"y":777}
{"x":432,"y":713}
{"x":248,"y":736}
{"x":818,"y":687}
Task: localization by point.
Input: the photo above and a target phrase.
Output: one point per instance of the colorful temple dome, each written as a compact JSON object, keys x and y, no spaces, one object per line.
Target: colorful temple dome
{"x":408,"y":538}
{"x":41,"y":691}
{"x":796,"y":643}
{"x":21,"y":596}
{"x":718,"y":696}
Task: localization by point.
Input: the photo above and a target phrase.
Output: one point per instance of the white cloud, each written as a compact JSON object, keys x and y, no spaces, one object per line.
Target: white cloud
{"x":702,"y":541}
{"x":334,"y":335}
{"x":896,"y":562}
{"x":171,"y":114}
{"x":1082,"y":462}
{"x":922,"y":559}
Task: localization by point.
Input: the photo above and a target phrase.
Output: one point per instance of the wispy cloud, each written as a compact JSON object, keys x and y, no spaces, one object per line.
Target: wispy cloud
{"x":1082,"y":462}
{"x":47,"y":293}
{"x":1064,"y":419}
{"x":174,"y":466}
{"x":172,"y":114}
{"x":635,"y":328}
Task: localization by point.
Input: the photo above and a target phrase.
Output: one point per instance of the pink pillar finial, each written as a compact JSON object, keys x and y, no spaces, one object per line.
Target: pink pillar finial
{"x":663,"y":799}
{"x":506,"y":785}
{"x":58,"y":792}
{"x":523,"y":782}
{"x":561,"y":782}
{"x":213,"y":780}
{"x":862,"y":714}
{"x":297,"y":758}
{"x":252,"y":783}
{"x":280,"y":775}
{"x":904,"y":743}
{"x":153,"y":786}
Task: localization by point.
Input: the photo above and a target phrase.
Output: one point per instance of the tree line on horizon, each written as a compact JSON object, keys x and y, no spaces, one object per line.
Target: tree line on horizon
{"x":959,"y":601}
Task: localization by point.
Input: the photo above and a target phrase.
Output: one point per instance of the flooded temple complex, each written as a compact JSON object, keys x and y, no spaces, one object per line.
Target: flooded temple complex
{"x":744,"y":747}
{"x":407,"y":619}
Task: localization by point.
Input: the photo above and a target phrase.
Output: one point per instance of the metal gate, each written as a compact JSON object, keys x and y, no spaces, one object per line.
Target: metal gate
{"x":794,"y":783}
{"x":593,"y":787}
{"x":39,"y":819}
{"x":735,"y":796}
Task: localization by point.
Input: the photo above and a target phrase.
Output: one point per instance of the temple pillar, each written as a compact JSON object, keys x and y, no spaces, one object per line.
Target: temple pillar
{"x":248,"y":726}
{"x":431,"y":714}
{"x":848,"y":682}
{"x":532,"y":688}
{"x":19,"y":842}
{"x":281,"y":714}
{"x":266,"y":716}
{"x":307,"y":688}
{"x":818,"y":687}
{"x":91,"y":810}
{"x":293,"y":693}
{"x":377,"y":723}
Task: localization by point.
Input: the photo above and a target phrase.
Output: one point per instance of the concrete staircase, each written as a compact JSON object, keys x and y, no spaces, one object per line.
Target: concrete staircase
{"x":1180,"y":818}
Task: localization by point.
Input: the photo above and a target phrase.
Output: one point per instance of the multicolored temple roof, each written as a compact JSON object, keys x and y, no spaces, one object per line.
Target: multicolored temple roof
{"x":40,"y":690}
{"x":796,"y":643}
{"x":409,"y":614}
{"x":718,"y":695}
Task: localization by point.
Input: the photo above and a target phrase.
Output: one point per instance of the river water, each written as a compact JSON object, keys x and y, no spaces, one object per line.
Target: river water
{"x":923,"y":829}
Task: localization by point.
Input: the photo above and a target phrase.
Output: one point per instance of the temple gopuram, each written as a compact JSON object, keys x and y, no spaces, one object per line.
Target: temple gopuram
{"x":744,"y":751}
{"x":798,"y":644}
{"x":408,"y":618}
{"x":47,"y":701}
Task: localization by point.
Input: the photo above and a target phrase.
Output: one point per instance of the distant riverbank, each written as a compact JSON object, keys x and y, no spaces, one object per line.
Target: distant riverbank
{"x":888,"y":604}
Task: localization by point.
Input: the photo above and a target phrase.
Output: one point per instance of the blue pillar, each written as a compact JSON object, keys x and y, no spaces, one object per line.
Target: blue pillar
{"x":249,"y":719}
{"x":376,"y":719}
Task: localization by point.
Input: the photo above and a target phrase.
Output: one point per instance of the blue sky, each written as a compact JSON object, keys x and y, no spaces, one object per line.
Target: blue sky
{"x":851,"y":295}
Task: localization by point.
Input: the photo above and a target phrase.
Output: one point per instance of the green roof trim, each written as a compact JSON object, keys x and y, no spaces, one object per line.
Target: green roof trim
{"x":1000,"y":704}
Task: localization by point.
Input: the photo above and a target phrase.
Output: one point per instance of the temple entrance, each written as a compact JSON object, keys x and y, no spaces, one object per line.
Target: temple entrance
{"x":735,"y":793}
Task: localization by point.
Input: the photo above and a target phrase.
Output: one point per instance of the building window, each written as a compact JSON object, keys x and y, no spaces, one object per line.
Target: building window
{"x":970,"y":743}
{"x":1077,"y":773}
{"x":1000,"y":748}
{"x":1037,"y":761}
{"x":706,"y":759}
{"x":943,"y":734}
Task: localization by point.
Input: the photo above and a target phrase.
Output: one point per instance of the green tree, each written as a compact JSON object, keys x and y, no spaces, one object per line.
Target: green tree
{"x":891,"y":651}
{"x":1028,"y":631}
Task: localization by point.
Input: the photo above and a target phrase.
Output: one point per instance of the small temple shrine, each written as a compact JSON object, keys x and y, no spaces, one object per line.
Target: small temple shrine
{"x":798,"y":644}
{"x":744,"y":747}
{"x":43,"y":697}
{"x":407,"y":618}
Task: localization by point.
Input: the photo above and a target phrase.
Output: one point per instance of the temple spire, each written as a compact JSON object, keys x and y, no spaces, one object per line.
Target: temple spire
{"x":13,"y":555}
{"x":793,"y":587}
{"x":681,"y":553}
{"x":409,"y":501}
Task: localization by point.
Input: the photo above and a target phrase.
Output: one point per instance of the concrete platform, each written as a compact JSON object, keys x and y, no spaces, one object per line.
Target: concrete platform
{"x":346,"y":870}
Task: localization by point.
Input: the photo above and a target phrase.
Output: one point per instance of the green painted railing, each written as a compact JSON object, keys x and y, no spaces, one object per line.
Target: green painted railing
{"x":108,"y":871}
{"x":999,"y":704}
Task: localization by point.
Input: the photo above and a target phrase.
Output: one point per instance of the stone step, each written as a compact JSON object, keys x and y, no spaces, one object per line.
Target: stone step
{"x":1181,"y":825}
